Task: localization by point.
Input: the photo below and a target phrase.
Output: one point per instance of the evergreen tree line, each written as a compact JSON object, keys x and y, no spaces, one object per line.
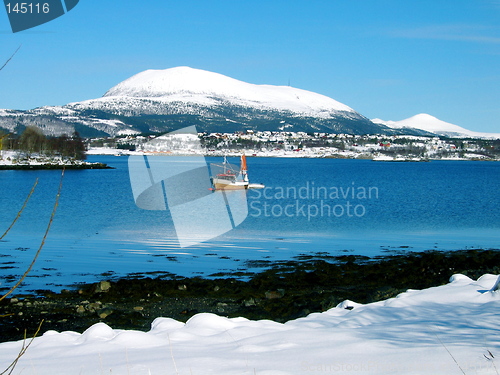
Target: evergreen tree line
{"x":32,"y":140}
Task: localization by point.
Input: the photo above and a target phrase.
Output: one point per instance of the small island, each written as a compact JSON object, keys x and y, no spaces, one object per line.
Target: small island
{"x":36,"y":165}
{"x":32,"y":150}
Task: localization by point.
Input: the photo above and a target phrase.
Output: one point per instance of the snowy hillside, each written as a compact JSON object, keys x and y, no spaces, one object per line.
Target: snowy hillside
{"x":217,"y":103}
{"x":161,"y":101}
{"x":432,"y":124}
{"x":186,"y":84}
{"x":450,"y":329}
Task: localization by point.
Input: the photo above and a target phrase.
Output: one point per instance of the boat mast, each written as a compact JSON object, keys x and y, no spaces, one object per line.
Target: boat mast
{"x":243,"y":168}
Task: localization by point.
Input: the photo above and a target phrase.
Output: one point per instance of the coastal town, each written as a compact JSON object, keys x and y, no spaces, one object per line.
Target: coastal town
{"x":312,"y":145}
{"x":33,"y":150}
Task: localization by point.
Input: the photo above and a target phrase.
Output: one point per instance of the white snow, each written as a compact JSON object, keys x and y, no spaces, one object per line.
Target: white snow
{"x":450,"y":329}
{"x":174,"y":143}
{"x":13,"y":158}
{"x":388,"y":123}
{"x":54,"y":110}
{"x":186,"y":84}
{"x":127,"y":132}
{"x":10,"y":113}
{"x":432,"y":124}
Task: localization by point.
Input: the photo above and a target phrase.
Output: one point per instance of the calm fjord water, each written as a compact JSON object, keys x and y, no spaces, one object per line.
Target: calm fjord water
{"x":309,"y":206}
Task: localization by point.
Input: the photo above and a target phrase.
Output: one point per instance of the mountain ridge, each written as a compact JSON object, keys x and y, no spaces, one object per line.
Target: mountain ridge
{"x":433,"y":125}
{"x":200,"y":86}
{"x":165,"y":100}
{"x":156,"y":101}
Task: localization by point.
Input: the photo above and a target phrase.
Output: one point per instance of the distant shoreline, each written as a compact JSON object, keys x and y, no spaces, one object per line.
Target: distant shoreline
{"x":10,"y":161}
{"x":288,"y":155}
{"x":32,"y":167}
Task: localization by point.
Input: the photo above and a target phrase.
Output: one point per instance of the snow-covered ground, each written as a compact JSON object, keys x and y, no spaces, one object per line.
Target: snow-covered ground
{"x":450,"y":329}
{"x":11,"y":158}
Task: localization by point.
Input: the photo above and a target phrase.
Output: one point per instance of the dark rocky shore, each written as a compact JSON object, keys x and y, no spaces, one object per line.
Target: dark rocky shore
{"x":283,"y":291}
{"x":29,"y":167}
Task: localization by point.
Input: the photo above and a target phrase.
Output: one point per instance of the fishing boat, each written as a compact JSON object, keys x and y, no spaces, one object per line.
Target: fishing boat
{"x":228,"y":177}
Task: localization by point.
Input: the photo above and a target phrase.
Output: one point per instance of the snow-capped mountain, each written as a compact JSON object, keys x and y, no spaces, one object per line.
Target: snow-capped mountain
{"x":214,"y":102}
{"x":165,"y":100}
{"x":433,"y":125}
{"x":184,"y":84}
{"x":161,"y":101}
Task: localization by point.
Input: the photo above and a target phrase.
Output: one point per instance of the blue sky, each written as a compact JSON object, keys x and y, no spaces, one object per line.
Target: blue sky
{"x":389,"y":59}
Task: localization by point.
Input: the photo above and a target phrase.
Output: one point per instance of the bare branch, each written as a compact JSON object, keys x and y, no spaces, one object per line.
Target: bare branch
{"x":10,"y":58}
{"x":22,"y":351}
{"x":56,"y":203}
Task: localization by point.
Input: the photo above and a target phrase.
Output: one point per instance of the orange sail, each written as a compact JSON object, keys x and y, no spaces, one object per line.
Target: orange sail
{"x":243,"y":166}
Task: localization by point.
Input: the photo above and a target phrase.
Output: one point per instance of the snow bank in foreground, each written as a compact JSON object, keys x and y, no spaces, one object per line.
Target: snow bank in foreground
{"x":418,"y":332}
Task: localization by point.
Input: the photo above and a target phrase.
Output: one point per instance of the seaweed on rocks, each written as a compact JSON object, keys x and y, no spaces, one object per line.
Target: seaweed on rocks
{"x":281,"y":291}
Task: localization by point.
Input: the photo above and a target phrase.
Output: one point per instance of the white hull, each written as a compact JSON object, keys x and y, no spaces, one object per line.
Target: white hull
{"x":256,"y":186}
{"x":222,"y":184}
